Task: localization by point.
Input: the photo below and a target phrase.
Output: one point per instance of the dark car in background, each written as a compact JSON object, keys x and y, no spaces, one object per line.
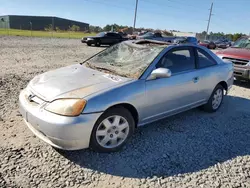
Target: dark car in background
{"x":157,"y":36}
{"x":186,"y":40}
{"x":104,"y":38}
{"x":150,"y":35}
{"x":239,"y":55}
{"x":223,"y":43}
{"x":208,"y":44}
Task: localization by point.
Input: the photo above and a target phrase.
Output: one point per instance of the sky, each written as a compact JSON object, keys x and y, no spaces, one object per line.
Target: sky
{"x":229,"y":16}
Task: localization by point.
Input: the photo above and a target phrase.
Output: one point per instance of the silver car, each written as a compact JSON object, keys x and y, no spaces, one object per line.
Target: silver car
{"x":100,"y":102}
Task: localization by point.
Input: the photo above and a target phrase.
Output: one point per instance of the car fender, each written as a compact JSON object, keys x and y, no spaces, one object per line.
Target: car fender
{"x":132,"y":93}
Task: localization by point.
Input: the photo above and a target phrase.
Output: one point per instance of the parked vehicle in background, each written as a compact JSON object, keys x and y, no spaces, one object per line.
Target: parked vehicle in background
{"x":228,"y":42}
{"x":124,"y":35}
{"x":149,"y":35}
{"x":239,"y":54}
{"x":136,"y":34}
{"x":157,"y":36}
{"x":223,"y":43}
{"x":208,"y":44}
{"x":100,"y":102}
{"x":186,"y":40}
{"x":104,"y":38}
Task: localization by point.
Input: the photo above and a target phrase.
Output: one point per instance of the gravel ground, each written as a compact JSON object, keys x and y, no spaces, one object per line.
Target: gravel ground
{"x":192,"y":149}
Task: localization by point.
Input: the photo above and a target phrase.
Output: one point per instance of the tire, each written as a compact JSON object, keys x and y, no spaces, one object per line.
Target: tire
{"x":97,"y":43}
{"x":209,"y":107}
{"x":106,"y":130}
{"x":89,"y":44}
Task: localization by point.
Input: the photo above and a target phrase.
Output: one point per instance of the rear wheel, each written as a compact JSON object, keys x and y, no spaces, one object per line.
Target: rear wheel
{"x":215,"y":99}
{"x":112,"y":130}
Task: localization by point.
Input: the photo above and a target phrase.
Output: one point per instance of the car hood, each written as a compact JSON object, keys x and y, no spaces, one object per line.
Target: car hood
{"x":75,"y":81}
{"x":240,"y":53}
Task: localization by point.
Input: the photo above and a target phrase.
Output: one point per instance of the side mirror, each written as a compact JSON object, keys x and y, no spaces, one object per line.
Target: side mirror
{"x":160,"y":73}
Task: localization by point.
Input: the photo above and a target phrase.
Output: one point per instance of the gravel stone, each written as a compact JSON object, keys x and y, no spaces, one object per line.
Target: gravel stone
{"x":192,"y":149}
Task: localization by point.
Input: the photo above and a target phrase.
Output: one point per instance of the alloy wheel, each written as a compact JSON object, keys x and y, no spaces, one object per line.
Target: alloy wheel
{"x":217,"y":99}
{"x":112,"y":131}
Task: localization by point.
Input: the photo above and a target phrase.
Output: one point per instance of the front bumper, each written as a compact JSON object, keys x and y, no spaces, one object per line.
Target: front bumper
{"x":242,"y":72}
{"x":69,"y":133}
{"x":92,"y":41}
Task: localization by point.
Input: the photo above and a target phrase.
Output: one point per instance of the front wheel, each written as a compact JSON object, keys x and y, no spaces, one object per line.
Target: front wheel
{"x":215,"y":99}
{"x":97,"y":43}
{"x":112,"y":130}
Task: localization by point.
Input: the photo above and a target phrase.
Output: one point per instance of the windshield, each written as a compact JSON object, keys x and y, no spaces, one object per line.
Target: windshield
{"x":100,"y":34}
{"x":148,"y":34}
{"x":242,"y":43}
{"x":125,"y":59}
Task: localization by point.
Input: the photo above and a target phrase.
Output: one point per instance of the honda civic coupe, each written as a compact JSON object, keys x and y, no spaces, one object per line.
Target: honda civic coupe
{"x":100,"y":102}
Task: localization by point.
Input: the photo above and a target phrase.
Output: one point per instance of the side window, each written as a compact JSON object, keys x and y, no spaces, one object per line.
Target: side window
{"x":157,"y":35}
{"x":113,"y":35}
{"x":178,"y":60}
{"x":110,"y":35}
{"x":204,"y":59}
{"x":117,"y":35}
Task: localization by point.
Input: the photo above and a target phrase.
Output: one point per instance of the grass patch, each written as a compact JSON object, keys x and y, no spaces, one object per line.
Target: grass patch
{"x":55,"y":34}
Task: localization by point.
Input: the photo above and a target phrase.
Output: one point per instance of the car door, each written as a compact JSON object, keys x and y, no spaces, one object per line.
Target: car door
{"x":116,"y":38}
{"x":207,"y":72}
{"x":111,"y":38}
{"x":168,"y":96}
{"x":105,"y":39}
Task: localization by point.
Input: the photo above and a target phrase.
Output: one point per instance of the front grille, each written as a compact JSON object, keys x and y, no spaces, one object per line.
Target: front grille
{"x":237,"y":61}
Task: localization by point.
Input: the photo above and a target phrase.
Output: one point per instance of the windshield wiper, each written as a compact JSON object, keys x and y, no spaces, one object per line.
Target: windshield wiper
{"x":100,"y":68}
{"x":105,"y":69}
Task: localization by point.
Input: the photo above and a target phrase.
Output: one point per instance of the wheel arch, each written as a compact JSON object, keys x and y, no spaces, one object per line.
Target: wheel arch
{"x":130,"y":108}
{"x":223,"y":84}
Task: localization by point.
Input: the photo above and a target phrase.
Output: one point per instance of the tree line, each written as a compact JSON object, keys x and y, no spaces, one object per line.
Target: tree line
{"x":219,"y":35}
{"x":129,"y":30}
{"x":125,"y":29}
{"x":74,"y":28}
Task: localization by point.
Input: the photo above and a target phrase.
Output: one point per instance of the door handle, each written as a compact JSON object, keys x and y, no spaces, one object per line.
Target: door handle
{"x":195,"y":79}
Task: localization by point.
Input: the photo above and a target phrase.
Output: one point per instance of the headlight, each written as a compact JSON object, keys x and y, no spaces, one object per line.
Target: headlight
{"x":67,"y":107}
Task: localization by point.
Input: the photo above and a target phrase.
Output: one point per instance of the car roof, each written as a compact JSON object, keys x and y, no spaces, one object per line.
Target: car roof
{"x":147,"y":43}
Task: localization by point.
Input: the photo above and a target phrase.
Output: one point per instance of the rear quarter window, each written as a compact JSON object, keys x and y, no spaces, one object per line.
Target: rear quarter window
{"x":204,"y":59}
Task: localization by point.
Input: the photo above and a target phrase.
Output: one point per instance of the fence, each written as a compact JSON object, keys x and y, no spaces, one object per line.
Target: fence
{"x":56,"y":34}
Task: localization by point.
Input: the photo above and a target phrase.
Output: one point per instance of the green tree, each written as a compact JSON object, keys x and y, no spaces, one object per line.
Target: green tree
{"x":237,"y":36}
{"x":107,"y":28}
{"x":58,"y":29}
{"x":48,"y":28}
{"x":95,"y":29}
{"x":74,"y":28}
